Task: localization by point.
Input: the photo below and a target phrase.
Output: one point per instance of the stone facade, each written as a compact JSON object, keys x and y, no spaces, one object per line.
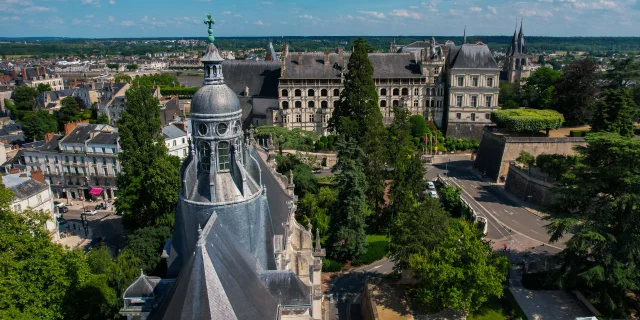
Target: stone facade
{"x":531,"y":188}
{"x":497,"y":150}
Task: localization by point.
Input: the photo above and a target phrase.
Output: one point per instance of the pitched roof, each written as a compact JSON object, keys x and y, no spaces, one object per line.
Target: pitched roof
{"x":109,"y":138}
{"x":260,"y":76}
{"x":142,"y":287}
{"x":286,"y":288}
{"x":385,"y":65}
{"x":22,"y":187}
{"x":471,"y":56}
{"x":173,"y":132}
{"x":52,"y":145}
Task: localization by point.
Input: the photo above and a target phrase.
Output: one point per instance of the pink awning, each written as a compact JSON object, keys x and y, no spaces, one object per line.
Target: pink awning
{"x":95,"y":191}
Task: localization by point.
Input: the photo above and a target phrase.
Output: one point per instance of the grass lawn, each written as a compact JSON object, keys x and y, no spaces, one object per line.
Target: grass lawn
{"x":377,"y":249}
{"x":492,"y":310}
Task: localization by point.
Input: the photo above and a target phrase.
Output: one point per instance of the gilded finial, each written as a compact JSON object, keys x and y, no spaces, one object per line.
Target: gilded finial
{"x":210,"y":22}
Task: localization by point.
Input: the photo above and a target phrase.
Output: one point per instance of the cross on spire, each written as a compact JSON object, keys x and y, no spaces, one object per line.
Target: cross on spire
{"x":210,"y":22}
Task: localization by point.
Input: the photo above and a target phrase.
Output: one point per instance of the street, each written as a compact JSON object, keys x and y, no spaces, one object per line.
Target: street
{"x":105,"y":223}
{"x":509,"y":223}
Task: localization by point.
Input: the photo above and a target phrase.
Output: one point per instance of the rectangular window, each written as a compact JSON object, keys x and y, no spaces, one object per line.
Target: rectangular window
{"x":183,"y":141}
{"x":17,"y":208}
{"x":490,"y":82}
{"x":487,"y":116}
{"x":475,"y":81}
{"x":298,"y":118}
{"x":474,"y":101}
{"x":30,"y":159}
{"x":106,"y":172}
{"x":174,"y":143}
{"x":39,"y":198}
{"x":460,"y":81}
{"x":459,"y":101}
{"x":488,"y":102}
{"x":312,"y":118}
{"x":223,"y":155}
{"x":473,"y":117}
{"x":458,"y":115}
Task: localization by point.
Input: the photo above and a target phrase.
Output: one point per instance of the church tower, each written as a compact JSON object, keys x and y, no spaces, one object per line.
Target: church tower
{"x":517,"y":62}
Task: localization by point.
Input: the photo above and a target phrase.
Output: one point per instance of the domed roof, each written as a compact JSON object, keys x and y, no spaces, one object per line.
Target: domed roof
{"x":215,"y":99}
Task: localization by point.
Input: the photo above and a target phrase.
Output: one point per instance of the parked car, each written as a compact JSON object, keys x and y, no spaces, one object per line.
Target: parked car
{"x":61,"y":207}
{"x":433,"y":194}
{"x":431,"y":185}
{"x":91,"y":212}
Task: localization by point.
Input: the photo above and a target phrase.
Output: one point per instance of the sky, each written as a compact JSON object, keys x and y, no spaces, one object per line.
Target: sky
{"x":184,"y":18}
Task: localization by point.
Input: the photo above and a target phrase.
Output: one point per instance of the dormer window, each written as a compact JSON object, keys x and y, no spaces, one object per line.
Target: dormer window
{"x":223,"y":155}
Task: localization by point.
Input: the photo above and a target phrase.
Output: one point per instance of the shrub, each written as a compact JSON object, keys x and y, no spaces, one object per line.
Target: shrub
{"x":527,"y":120}
{"x":378,"y":247}
{"x":577,"y":133}
{"x":329,"y":265}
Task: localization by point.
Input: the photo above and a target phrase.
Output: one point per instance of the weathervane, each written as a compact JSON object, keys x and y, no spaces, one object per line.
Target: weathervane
{"x":210,"y":22}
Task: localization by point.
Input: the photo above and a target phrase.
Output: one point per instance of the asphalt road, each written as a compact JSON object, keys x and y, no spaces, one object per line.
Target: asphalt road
{"x":509,"y":223}
{"x":104,"y":224}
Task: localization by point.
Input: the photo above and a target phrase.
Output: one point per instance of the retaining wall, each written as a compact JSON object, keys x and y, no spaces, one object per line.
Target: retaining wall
{"x":528,"y":188}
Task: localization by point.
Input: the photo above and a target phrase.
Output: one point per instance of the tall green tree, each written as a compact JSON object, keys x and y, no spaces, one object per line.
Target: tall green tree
{"x":450,"y":197}
{"x":576,"y":89}
{"x":43,"y":87}
{"x":615,"y":112}
{"x":24,"y":98}
{"x":460,"y":272}
{"x":315,"y":208}
{"x":348,"y":239}
{"x":38,"y":124}
{"x":69,"y":112}
{"x":539,"y":91}
{"x":357,"y":116}
{"x":148,"y":184}
{"x":622,"y":73}
{"x":597,"y":201}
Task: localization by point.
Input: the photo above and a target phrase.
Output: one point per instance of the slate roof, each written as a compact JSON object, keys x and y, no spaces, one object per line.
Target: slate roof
{"x":108,"y":138}
{"x":82,"y":134}
{"x":471,"y":56}
{"x":36,"y":145}
{"x":260,"y":76}
{"x":286,"y":288}
{"x":173,"y":132}
{"x":23,"y":188}
{"x":143,"y":287}
{"x":52,"y":145}
{"x":31,"y":73}
{"x":385,"y":65}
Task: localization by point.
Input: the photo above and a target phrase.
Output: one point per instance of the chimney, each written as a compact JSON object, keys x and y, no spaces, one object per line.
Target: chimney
{"x":299,"y":58}
{"x":48,"y":136}
{"x":36,"y":174}
{"x":339,"y":50}
{"x":181,"y":126}
{"x":24,"y":175}
{"x":37,"y":72}
{"x":15,"y":74}
{"x":285,"y":51}
{"x":326,"y":58}
{"x":246,"y":91}
{"x":24,"y":74}
{"x":44,"y":71}
{"x":69,"y":127}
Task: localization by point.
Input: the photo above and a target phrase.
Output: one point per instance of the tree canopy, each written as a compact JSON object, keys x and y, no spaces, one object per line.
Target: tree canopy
{"x":615,"y":112}
{"x":539,"y":89}
{"x":576,"y":90}
{"x":597,"y":201}
{"x":38,"y":124}
{"x":527,"y":120}
{"x":283,"y":138}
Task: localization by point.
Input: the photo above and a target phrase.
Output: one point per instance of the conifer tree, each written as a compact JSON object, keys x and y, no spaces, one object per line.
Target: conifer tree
{"x":148,"y":184}
{"x":615,"y":112}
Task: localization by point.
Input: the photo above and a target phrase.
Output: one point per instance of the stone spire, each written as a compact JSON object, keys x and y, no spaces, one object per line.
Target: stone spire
{"x":513,"y":48}
{"x":212,"y":60}
{"x":317,"y":239}
{"x":521,"y":47}
{"x":464,"y":35}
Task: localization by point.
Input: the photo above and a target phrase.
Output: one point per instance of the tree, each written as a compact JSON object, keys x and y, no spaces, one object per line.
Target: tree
{"x":555,"y":164}
{"x":39,"y":124}
{"x":147,"y":188}
{"x":69,"y":112}
{"x":509,"y":95}
{"x":43,"y":87}
{"x":623,"y":73}
{"x":526,"y":158}
{"x":450,"y":197}
{"x":348,"y":239}
{"x":460,"y":272}
{"x":615,"y":112}
{"x":37,"y":275}
{"x":122,"y":77}
{"x":132,"y":67}
{"x":597,"y":201}
{"x":539,"y":90}
{"x":576,"y":89}
{"x":418,"y":126}
{"x":284,"y":138}
{"x":24,"y":98}
{"x":315,"y":208}
{"x":527,"y":120}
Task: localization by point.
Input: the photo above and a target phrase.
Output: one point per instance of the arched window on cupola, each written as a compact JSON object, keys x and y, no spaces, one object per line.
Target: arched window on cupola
{"x":223,"y":155}
{"x":204,"y":155}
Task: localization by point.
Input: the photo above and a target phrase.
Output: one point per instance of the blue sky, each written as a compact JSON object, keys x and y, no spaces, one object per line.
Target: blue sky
{"x":183,"y":18}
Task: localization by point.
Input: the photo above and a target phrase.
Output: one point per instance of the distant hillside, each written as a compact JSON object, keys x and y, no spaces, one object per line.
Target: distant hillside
{"x":47,"y":47}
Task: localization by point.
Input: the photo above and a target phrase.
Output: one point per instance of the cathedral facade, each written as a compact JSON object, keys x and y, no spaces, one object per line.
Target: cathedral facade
{"x":517,"y":66}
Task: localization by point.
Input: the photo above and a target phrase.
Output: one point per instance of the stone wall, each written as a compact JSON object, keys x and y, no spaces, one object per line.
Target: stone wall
{"x":528,"y":188}
{"x":465,"y":130}
{"x":498,"y":150}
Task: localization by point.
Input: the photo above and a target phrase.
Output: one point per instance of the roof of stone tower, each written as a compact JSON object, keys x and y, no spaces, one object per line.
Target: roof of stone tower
{"x":215,"y":98}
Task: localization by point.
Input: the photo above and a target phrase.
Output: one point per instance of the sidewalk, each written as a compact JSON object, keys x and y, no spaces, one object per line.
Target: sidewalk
{"x":78,"y":238}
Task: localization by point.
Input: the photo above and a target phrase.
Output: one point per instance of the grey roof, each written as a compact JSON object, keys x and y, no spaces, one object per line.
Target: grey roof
{"x":286,"y":287}
{"x":143,"y":287}
{"x":31,"y":73}
{"x":80,"y":134}
{"x":52,"y":145}
{"x":11,"y":128}
{"x":36,"y":145}
{"x":211,"y":54}
{"x":214,"y":99}
{"x":471,"y":56}
{"x":260,"y":76}
{"x":108,"y":138}
{"x":173,"y":132}
{"x":23,"y":188}
{"x":385,"y":65}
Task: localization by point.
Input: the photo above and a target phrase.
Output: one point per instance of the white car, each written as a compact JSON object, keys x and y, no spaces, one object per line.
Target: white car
{"x":433,"y":194}
{"x":90,"y":212}
{"x":431,"y":185}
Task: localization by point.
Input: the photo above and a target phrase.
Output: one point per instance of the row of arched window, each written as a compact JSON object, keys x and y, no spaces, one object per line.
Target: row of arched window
{"x":310,"y":104}
{"x":396,"y":103}
{"x":311,"y":93}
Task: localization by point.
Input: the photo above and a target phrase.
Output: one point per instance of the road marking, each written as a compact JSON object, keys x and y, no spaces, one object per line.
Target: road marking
{"x":534,"y":231}
{"x":496,"y":219}
{"x":374,"y":268}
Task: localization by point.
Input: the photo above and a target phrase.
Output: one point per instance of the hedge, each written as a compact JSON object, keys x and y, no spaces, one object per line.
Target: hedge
{"x":527,"y":120}
{"x":180,"y":91}
{"x":577,"y":133}
{"x":329,"y":265}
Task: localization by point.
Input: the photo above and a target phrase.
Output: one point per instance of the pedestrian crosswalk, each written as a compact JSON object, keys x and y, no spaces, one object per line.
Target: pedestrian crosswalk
{"x":103,"y":215}
{"x":468,"y":177}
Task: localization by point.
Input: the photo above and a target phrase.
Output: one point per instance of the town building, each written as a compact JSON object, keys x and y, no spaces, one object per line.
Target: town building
{"x":177,"y":140}
{"x":517,"y":65}
{"x":51,"y":100}
{"x":32,"y":77}
{"x":236,"y":253}
{"x":32,"y":192}
{"x":472,"y":78}
{"x":82,"y":160}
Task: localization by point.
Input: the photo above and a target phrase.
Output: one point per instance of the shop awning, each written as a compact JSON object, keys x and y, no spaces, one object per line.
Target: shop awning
{"x":95,"y":191}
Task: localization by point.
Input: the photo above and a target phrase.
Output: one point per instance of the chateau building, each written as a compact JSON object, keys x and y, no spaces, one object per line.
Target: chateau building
{"x":472,"y":77}
{"x":517,"y":65}
{"x":32,"y":77}
{"x":237,"y":251}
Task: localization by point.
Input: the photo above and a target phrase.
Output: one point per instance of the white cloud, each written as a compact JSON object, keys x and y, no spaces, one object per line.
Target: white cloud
{"x":145,"y":19}
{"x":374,"y":14}
{"x":259,"y":22}
{"x":237,"y":15}
{"x":413,"y":7}
{"x":56,"y":20}
{"x":454,"y":12}
{"x":404,"y":13}
{"x":14,"y":18}
{"x":306,"y":16}
{"x":95,"y":3}
{"x":111,"y":19}
{"x":89,"y":16}
{"x":127,"y":23}
{"x":284,"y":22}
{"x":76,"y":21}
{"x":226,"y":13}
{"x":493,"y":10}
{"x":431,"y":6}
{"x":536,"y":12}
{"x":112,"y":2}
{"x":475,"y":9}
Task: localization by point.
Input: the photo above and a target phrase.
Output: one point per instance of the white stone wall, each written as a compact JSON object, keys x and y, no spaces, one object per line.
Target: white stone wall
{"x":42,"y":201}
{"x":178,"y":147}
{"x":478,"y":98}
